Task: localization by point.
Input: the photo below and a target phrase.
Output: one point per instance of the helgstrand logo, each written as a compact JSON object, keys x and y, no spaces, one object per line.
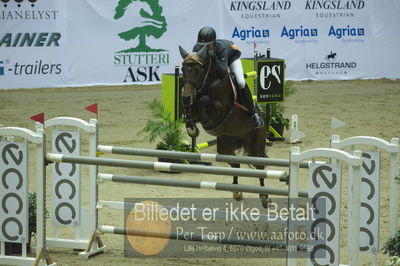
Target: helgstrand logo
{"x":331,"y":66}
{"x":142,"y":59}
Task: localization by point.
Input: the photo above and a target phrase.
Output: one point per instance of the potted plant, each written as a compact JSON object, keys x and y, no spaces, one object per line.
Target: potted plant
{"x":277,"y":119}
{"x":16,"y":248}
{"x":166,"y":130}
{"x":392,"y":248}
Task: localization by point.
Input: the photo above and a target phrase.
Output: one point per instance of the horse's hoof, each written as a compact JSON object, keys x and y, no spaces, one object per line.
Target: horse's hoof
{"x":193,"y":131}
{"x":265,"y":201}
{"x":238,"y":195}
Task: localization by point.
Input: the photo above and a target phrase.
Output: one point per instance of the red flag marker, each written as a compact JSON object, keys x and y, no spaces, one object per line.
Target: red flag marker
{"x":38,"y":118}
{"x":254,"y":46}
{"x":93,"y":109}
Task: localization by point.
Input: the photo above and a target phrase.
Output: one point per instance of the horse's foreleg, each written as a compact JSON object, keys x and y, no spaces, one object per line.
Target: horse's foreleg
{"x":191,"y":128}
{"x":264,"y":197}
{"x":236,"y":195}
{"x":226,"y":145}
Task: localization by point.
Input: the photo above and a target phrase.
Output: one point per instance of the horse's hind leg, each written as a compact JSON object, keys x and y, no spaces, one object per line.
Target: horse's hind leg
{"x":256,"y":147}
{"x":227,"y":145}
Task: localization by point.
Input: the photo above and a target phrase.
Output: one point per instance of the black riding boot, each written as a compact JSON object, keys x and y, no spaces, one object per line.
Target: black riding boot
{"x":247,"y":99}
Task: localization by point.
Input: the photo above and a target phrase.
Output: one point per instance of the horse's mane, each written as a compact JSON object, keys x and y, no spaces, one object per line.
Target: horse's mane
{"x":193,"y":57}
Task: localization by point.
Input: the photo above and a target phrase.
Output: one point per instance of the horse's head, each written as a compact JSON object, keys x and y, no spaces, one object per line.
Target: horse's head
{"x":193,"y":68}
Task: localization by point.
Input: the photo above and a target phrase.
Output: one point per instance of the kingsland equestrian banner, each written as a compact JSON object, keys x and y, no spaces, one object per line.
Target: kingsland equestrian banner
{"x":116,"y":42}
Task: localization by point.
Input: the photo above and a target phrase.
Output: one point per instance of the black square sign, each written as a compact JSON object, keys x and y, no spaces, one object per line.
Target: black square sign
{"x":270,"y":78}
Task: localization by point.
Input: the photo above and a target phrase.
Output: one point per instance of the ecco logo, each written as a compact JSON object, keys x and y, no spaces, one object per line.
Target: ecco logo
{"x":267,"y":73}
{"x":66,"y":179}
{"x":13,"y":175}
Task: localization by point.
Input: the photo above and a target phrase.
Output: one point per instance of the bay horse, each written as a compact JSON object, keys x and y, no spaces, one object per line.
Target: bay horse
{"x":210,"y":101}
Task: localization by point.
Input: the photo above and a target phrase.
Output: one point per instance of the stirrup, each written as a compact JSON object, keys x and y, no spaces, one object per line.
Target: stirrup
{"x":258,"y":122}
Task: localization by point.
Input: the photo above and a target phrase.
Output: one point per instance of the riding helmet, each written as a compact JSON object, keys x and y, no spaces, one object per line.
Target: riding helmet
{"x":206,"y":35}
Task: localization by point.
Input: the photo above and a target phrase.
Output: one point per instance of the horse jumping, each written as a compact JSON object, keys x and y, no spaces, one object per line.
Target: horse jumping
{"x":211,"y":101}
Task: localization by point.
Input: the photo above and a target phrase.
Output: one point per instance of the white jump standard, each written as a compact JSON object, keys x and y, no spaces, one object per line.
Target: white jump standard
{"x":15,"y":161}
{"x":85,"y":222}
{"x":371,"y":188}
{"x":325,"y":182}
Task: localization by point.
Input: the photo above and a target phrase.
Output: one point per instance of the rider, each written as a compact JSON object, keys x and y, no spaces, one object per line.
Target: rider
{"x":225,"y":53}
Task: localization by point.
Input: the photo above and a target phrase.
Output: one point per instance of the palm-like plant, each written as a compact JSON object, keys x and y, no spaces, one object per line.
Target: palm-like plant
{"x":164,"y":128}
{"x":278,"y":109}
{"x":392,"y":246}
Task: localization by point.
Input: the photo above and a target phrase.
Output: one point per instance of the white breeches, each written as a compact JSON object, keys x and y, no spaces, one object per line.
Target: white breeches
{"x":237,"y":69}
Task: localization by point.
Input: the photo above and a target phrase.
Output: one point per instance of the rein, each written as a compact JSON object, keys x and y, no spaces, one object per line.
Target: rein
{"x":205,"y":77}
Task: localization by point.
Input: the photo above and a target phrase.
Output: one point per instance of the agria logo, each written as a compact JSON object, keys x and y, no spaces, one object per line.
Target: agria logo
{"x":142,"y":59}
{"x":300,"y":34}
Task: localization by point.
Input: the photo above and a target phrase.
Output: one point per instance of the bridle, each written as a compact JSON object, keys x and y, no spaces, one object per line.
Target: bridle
{"x":199,"y":86}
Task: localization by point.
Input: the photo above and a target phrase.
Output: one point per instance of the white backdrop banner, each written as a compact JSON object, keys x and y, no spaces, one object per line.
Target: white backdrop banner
{"x":113,"y":42}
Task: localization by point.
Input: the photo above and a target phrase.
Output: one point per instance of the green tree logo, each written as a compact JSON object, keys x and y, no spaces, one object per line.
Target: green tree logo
{"x":154,"y":25}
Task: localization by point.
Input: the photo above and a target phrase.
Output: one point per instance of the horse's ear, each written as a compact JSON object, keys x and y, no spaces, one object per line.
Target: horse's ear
{"x":183,"y":52}
{"x":203,"y":52}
